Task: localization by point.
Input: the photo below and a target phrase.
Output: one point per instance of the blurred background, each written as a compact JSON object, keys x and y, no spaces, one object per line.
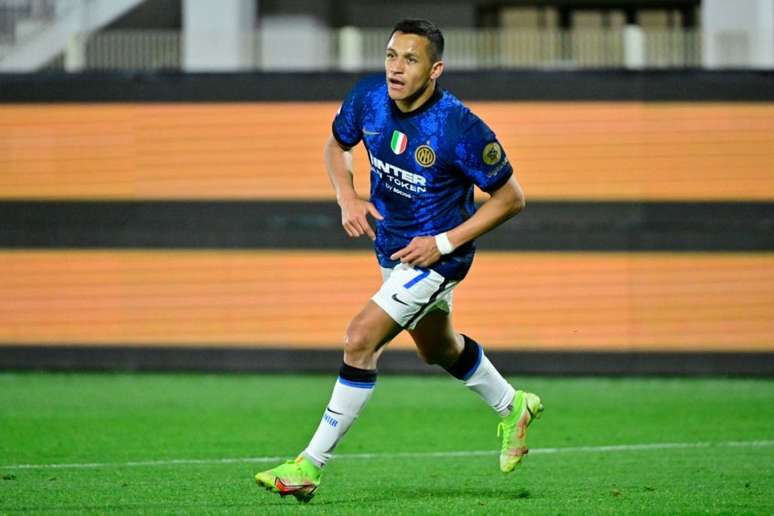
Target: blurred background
{"x":196,"y":35}
{"x":164,"y":204}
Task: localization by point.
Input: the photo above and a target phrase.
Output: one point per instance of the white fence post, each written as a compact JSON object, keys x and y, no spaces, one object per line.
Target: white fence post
{"x":350,"y":49}
{"x":75,"y":52}
{"x":634,"y":47}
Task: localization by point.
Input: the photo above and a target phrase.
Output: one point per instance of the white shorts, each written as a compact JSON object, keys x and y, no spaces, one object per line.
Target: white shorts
{"x":408,"y":294}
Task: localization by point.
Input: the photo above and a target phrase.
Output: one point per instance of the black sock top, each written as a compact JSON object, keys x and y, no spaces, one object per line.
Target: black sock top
{"x":468,"y":361}
{"x":356,"y":377}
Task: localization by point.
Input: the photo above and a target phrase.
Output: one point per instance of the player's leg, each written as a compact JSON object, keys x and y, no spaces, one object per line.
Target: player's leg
{"x":438,"y":343}
{"x":364,"y":341}
{"x":399,"y":301}
{"x":463,"y":358}
{"x":366,"y":335}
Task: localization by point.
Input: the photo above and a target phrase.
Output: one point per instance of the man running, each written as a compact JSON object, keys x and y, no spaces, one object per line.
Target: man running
{"x":427,"y":151}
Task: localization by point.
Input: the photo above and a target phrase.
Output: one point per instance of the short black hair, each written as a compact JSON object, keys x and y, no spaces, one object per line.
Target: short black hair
{"x":424,"y":28}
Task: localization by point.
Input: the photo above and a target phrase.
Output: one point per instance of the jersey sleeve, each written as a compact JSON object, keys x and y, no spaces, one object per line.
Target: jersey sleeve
{"x":346,"y":123}
{"x":480,"y":156}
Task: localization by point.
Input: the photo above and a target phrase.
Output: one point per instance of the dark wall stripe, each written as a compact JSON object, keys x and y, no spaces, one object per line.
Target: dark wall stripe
{"x":560,"y":226}
{"x":133,"y":358}
{"x":650,"y":85}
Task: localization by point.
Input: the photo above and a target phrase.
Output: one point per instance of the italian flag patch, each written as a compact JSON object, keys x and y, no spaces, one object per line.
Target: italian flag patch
{"x":399,"y":142}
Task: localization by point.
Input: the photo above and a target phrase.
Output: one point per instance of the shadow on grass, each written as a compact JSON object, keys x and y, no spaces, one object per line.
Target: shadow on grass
{"x":453,"y":493}
{"x":403,"y":495}
{"x":127,"y":507}
{"x":426,"y":494}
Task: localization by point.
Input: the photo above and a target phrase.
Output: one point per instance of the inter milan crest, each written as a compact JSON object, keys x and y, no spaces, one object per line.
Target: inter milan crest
{"x":425,"y":155}
{"x":492,"y":153}
{"x":399,"y":142}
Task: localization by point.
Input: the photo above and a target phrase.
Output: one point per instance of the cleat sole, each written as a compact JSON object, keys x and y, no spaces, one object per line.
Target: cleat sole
{"x":302,"y":494}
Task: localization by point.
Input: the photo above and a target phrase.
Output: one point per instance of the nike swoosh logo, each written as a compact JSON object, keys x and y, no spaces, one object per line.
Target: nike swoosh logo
{"x":370,"y":133}
{"x":397,"y":300}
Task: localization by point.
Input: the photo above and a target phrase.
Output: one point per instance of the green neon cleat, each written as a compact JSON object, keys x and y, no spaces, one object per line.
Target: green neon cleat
{"x":298,"y":477}
{"x":513,"y":428}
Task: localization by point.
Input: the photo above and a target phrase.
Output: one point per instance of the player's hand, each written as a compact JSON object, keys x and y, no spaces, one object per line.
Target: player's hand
{"x":354,"y":220}
{"x":420,"y":252}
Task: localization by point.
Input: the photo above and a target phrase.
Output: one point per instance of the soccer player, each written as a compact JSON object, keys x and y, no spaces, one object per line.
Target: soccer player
{"x":427,"y":151}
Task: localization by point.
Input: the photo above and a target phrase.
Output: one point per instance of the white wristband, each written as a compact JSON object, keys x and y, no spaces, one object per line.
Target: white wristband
{"x":443,"y":243}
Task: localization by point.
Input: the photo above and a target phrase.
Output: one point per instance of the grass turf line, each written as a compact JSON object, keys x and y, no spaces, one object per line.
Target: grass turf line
{"x":402,"y":455}
{"x":72,"y":418}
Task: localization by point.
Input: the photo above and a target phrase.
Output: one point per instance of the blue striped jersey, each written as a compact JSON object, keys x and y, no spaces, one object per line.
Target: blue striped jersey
{"x":424,"y":165}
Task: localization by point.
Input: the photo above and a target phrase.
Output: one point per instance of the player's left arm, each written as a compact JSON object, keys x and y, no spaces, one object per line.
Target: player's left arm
{"x":505,"y":202}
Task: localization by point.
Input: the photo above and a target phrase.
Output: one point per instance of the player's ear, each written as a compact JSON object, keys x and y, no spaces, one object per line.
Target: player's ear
{"x":436,"y":70}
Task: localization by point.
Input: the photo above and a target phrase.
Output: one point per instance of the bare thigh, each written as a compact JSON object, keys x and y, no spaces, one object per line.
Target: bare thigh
{"x":436,"y":340}
{"x":366,"y":335}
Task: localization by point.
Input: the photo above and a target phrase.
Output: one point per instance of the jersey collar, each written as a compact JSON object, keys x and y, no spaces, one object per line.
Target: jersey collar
{"x":435,"y":97}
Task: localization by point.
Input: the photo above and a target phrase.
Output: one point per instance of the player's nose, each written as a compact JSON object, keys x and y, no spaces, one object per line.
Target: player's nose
{"x":396,"y":67}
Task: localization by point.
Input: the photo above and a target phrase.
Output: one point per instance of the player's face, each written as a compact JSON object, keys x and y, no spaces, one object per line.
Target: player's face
{"x":409,"y":66}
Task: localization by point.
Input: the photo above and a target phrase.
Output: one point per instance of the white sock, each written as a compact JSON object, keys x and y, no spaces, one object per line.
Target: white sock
{"x":487,"y":382}
{"x":347,"y":401}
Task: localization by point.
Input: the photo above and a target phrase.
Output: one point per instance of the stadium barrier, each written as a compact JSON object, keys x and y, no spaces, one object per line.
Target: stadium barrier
{"x":363,"y":49}
{"x":198,"y":234}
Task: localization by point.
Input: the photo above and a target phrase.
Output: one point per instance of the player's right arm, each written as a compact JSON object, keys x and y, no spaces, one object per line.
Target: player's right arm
{"x":354,"y":210}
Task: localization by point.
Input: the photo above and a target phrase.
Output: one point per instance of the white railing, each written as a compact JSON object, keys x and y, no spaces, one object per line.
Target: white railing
{"x":468,"y":49}
{"x":134,"y":50}
{"x":14,"y":11}
{"x":52,"y":28}
{"x":465,"y":49}
{"x":673,"y":48}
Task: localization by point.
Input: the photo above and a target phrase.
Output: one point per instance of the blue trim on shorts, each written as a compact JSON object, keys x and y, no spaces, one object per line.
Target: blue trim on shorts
{"x":359,"y":385}
{"x":424,"y":273}
{"x":475,"y":366}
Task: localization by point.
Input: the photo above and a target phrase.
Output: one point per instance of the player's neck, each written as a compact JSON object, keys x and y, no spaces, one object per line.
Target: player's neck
{"x":418,"y":99}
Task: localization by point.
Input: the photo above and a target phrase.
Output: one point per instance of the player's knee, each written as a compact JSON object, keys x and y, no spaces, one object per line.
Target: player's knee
{"x":357,"y":340}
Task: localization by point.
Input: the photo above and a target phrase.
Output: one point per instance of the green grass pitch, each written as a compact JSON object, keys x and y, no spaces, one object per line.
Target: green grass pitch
{"x":190,"y":444}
